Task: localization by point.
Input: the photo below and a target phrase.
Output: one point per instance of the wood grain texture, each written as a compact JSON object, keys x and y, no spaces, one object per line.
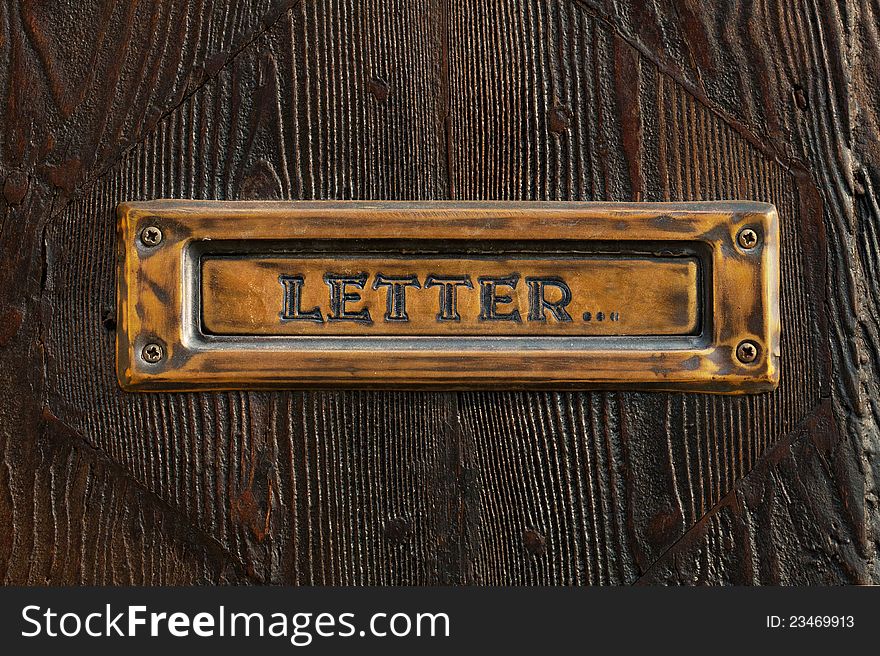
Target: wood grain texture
{"x":764,"y":531}
{"x":541,"y":99}
{"x":802,"y":78}
{"x":104,"y":528}
{"x":80,"y":83}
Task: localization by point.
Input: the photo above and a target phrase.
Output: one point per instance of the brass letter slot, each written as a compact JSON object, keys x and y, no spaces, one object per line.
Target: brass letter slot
{"x":219,"y":295}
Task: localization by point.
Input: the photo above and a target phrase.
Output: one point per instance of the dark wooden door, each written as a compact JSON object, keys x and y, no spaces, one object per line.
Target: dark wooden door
{"x":435,"y":99}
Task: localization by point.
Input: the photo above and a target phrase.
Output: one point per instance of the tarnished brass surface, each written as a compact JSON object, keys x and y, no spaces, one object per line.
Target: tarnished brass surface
{"x":457,"y":295}
{"x":620,"y":296}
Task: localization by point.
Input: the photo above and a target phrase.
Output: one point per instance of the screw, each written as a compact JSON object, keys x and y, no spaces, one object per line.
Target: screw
{"x":152,"y":353}
{"x":747,"y":352}
{"x":151,"y":236}
{"x":747,"y":238}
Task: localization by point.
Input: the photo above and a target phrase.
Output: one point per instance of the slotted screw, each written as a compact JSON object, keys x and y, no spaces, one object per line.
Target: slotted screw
{"x":152,"y":353}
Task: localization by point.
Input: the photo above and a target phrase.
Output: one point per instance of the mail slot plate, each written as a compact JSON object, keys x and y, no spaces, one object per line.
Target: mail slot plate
{"x":222,"y":295}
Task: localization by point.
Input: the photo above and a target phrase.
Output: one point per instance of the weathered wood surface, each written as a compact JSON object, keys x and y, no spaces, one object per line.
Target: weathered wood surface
{"x":542,"y":99}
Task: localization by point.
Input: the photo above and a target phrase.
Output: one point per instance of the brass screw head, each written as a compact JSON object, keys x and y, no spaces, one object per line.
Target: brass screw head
{"x":747,"y":352}
{"x":747,"y":238}
{"x":151,"y":236}
{"x":152,"y":353}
